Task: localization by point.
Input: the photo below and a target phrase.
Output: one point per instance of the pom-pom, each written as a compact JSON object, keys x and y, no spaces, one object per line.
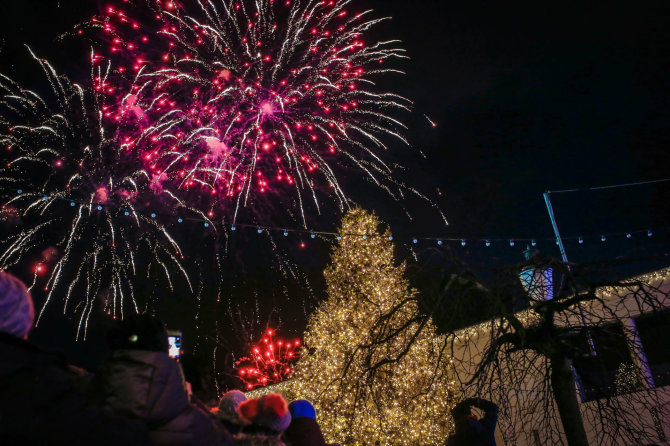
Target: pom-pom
{"x":248,"y":410}
{"x":273,"y":406}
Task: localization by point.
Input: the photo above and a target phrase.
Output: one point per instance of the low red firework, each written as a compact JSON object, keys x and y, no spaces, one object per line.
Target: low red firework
{"x":270,"y":361}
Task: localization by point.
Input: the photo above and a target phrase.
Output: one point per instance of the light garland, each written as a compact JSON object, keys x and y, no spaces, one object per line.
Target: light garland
{"x":529,"y":316}
{"x":208,"y":221}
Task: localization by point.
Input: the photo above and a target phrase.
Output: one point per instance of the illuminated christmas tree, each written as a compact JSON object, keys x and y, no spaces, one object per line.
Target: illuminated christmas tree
{"x":372,"y":369}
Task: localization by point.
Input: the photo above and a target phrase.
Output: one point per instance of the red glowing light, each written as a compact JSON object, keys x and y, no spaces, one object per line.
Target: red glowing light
{"x":269,"y":361}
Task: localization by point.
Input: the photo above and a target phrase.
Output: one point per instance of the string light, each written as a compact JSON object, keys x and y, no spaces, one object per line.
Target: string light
{"x":415,"y":240}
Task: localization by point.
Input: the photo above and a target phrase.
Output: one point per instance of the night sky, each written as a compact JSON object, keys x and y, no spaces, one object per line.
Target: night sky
{"x":527,"y":97}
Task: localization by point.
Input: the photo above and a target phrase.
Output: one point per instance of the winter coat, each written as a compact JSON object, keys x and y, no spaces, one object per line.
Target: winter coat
{"x":473,"y":432}
{"x":304,"y":431}
{"x":41,"y":403}
{"x":258,"y":439}
{"x":253,"y":435}
{"x":149,"y":386}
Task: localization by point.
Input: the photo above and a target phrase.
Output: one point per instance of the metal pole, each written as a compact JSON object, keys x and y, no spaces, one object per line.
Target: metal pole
{"x":564,"y":256}
{"x":550,"y":209}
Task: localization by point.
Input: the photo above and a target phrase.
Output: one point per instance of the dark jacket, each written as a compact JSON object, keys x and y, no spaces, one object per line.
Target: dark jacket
{"x":42,"y":404}
{"x":258,"y":439}
{"x":472,"y":432}
{"x":304,"y":431}
{"x":149,"y":386}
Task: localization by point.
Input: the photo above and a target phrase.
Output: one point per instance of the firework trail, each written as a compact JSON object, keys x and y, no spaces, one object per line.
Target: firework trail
{"x":69,"y":185}
{"x":239,"y":102}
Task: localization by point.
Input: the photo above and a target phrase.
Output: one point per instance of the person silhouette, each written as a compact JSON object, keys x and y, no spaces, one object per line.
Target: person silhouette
{"x":469,"y":430}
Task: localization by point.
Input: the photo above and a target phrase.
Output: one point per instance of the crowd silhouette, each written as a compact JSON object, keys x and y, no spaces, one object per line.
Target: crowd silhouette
{"x":139,"y":395}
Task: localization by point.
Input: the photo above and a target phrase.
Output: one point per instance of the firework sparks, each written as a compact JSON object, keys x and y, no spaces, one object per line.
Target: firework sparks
{"x":270,"y":361}
{"x":69,"y":185}
{"x":233,"y":99}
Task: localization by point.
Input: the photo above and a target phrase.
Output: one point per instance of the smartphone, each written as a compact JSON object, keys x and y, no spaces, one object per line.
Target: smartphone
{"x":174,"y":340}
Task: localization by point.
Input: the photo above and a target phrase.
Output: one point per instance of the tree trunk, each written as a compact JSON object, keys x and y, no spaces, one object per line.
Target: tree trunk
{"x":565,"y":394}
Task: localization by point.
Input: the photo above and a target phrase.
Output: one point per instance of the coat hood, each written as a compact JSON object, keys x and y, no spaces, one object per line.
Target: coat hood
{"x":142,"y":384}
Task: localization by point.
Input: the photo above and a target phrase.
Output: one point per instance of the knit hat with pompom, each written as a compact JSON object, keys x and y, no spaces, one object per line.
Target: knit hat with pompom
{"x":302,"y":409}
{"x":228,"y":405}
{"x":269,"y":411}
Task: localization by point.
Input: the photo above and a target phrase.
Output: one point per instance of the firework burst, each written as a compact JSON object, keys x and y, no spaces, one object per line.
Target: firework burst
{"x":236,"y":100}
{"x":70,"y":186}
{"x":270,"y":361}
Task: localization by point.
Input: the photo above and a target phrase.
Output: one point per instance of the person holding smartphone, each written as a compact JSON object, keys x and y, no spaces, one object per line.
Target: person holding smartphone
{"x":470,"y":430}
